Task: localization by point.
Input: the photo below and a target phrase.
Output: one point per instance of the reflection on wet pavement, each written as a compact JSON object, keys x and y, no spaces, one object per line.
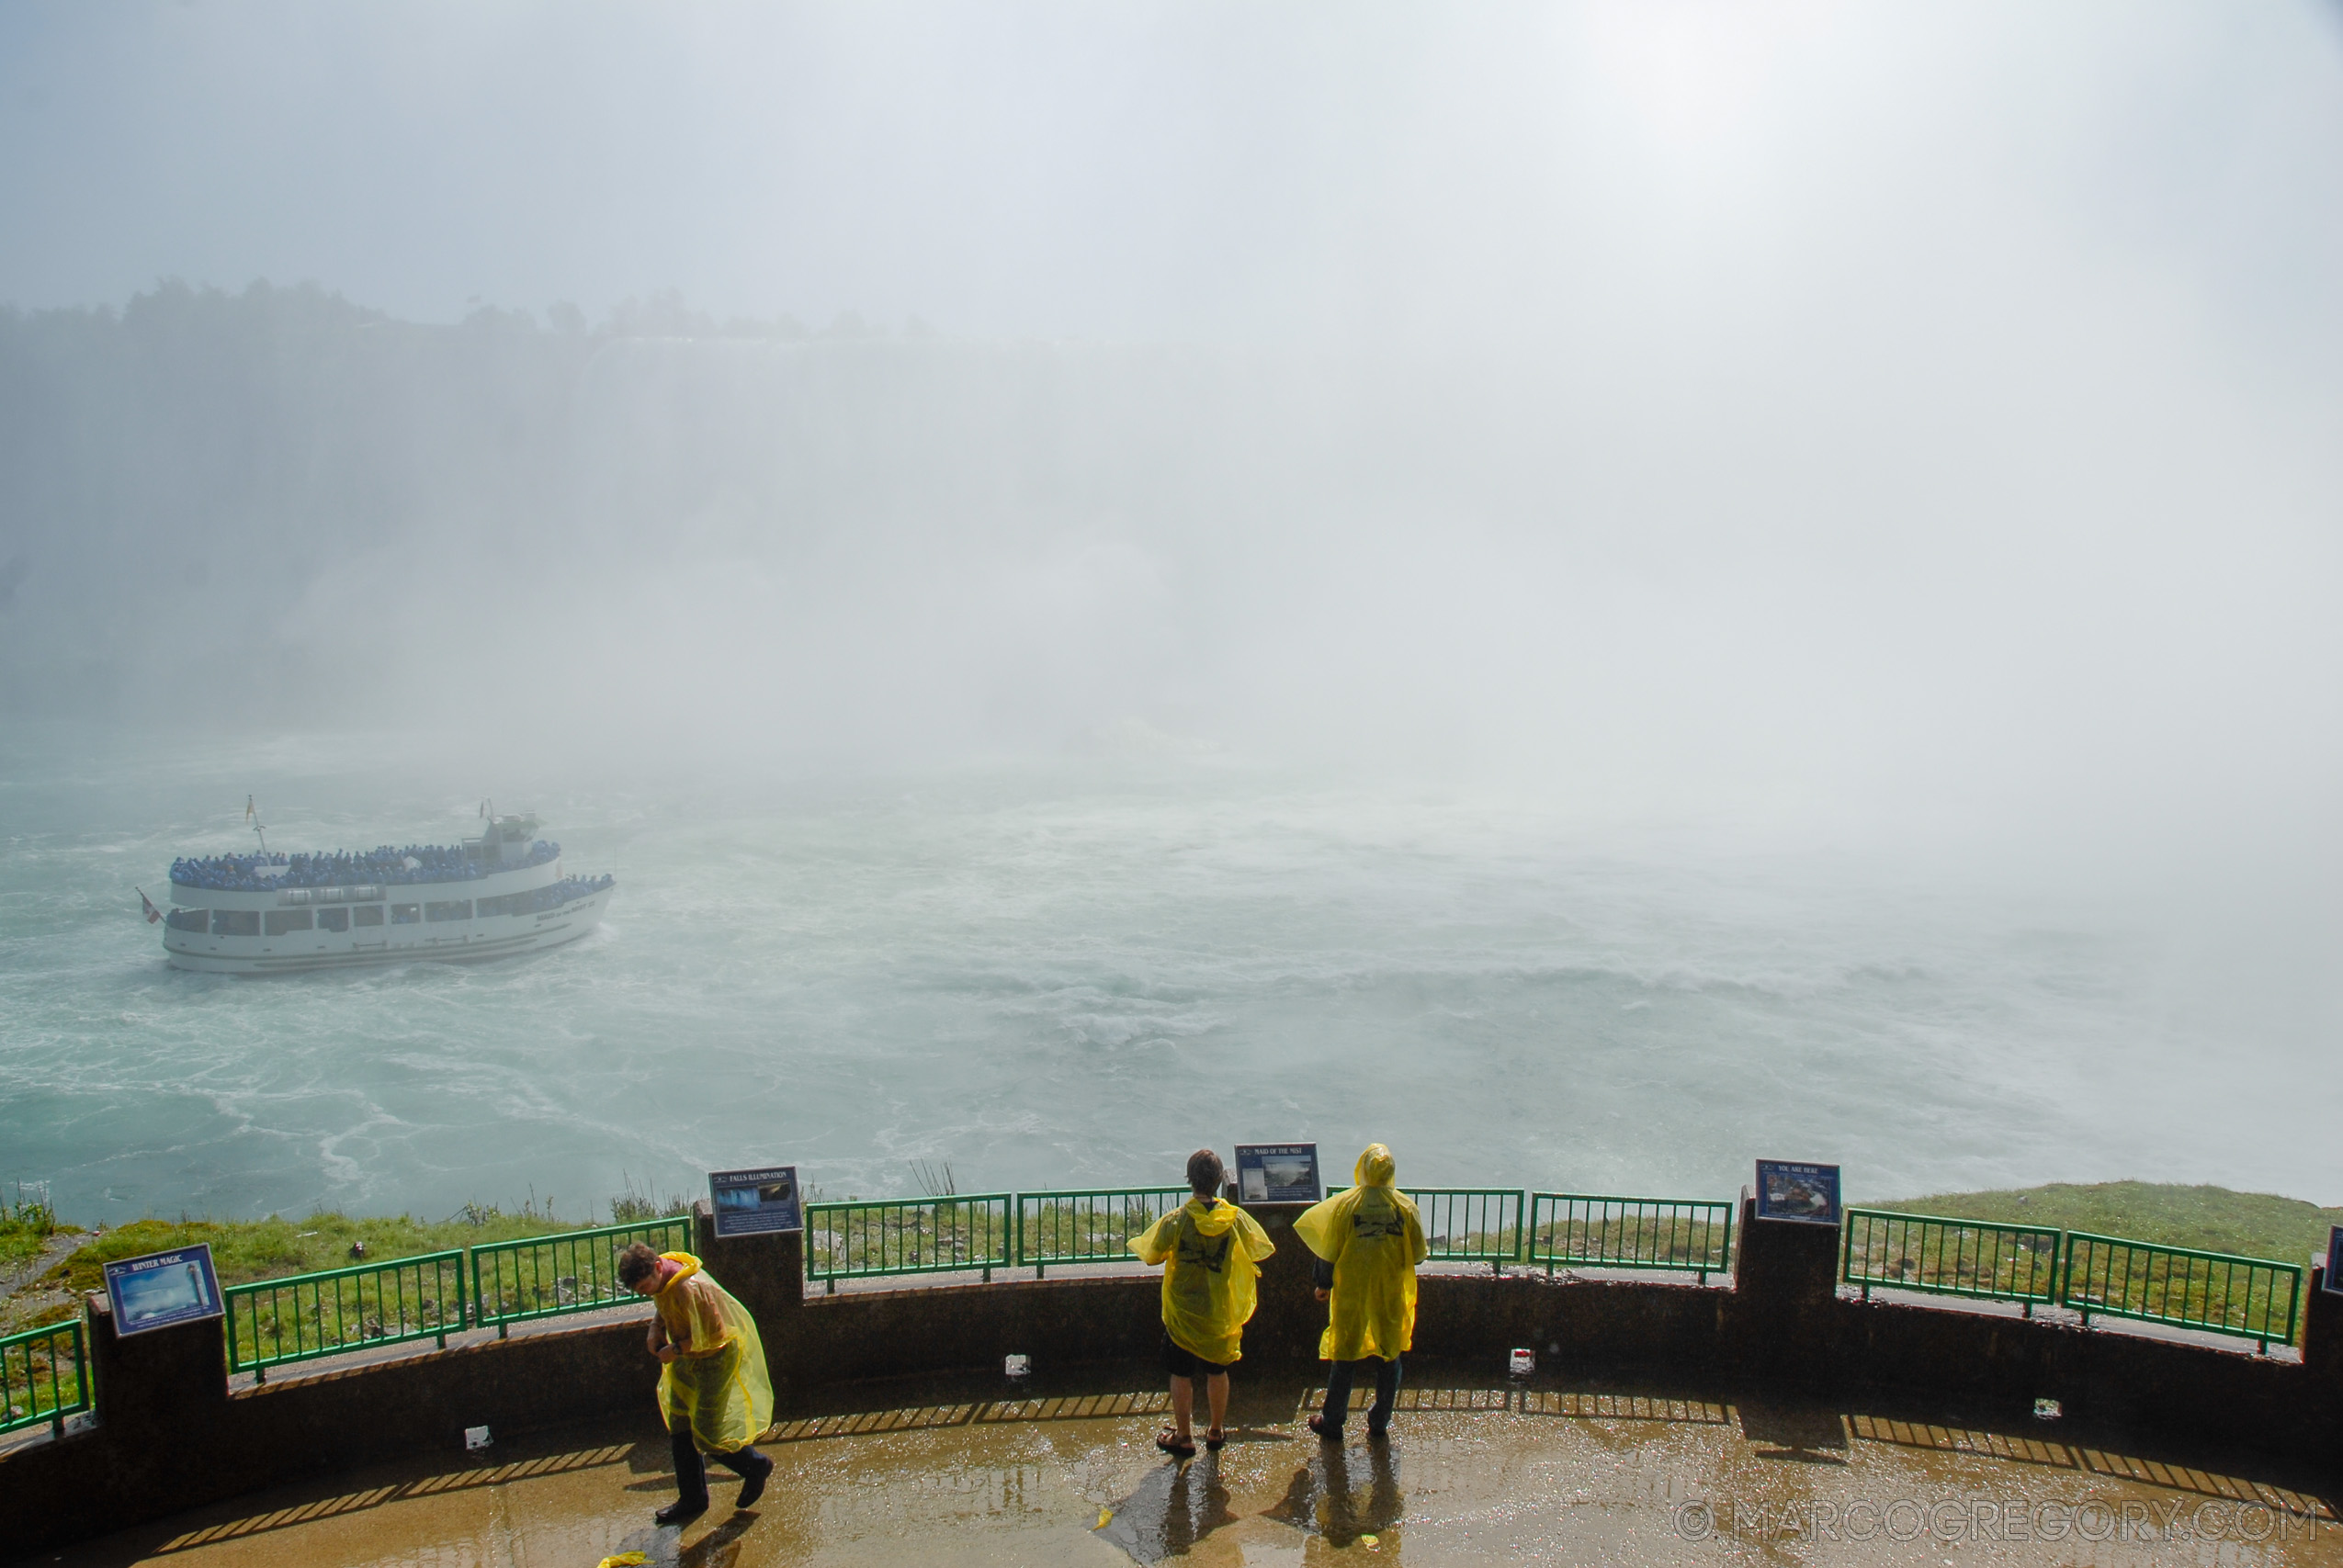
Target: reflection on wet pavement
{"x":1472,"y":1474}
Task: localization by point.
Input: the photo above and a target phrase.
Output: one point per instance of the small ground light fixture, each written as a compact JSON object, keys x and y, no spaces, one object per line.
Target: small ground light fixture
{"x":2047,"y":1410}
{"x":1016,"y":1366}
{"x":476,"y":1438}
{"x":1523,"y":1363}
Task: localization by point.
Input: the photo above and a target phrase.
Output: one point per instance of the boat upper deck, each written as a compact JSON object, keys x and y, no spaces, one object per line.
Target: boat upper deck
{"x":383,"y":867}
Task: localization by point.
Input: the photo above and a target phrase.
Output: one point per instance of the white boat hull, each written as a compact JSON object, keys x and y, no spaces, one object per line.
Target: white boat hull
{"x":474,"y":941}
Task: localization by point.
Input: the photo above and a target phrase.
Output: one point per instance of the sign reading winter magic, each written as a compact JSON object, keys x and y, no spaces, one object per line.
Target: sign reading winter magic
{"x":2334,"y":1260}
{"x":1277,"y":1173}
{"x":161,"y":1288}
{"x":1786,"y":1191}
{"x":754,"y":1203}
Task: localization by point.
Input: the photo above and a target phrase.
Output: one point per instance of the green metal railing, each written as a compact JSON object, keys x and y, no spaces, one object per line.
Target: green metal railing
{"x":2250,"y":1297}
{"x":1950,"y":1257}
{"x":547,"y":1276}
{"x":44,"y":1376}
{"x":1471,"y":1224}
{"x":909,"y":1236}
{"x":1690,"y":1236}
{"x":308,"y":1315}
{"x":1088,"y":1225}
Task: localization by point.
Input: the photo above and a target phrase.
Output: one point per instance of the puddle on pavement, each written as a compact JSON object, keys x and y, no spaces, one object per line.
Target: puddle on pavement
{"x":1474,"y":1474}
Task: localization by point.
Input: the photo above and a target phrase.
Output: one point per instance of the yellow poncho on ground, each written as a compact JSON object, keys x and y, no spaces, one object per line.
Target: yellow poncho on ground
{"x":1214,"y":1249}
{"x":1374,"y":1239}
{"x":718,"y":1385}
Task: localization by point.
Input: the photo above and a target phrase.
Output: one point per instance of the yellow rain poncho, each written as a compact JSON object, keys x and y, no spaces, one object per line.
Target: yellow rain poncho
{"x":1374,"y":1239}
{"x":1214,"y":1249}
{"x":718,"y":1385}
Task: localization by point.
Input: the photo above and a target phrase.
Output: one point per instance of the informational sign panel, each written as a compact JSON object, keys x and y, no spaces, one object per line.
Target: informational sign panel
{"x":754,"y":1203}
{"x":1277,"y":1173}
{"x":163,"y":1288}
{"x":2334,"y":1260}
{"x":1788,"y":1190}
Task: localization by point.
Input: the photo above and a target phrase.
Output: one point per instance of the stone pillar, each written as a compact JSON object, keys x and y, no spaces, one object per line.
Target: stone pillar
{"x":2323,"y":1357}
{"x":158,"y":1395}
{"x":1288,"y":1317}
{"x":767,"y":1272}
{"x":2323,"y":1332}
{"x":1785,"y":1287}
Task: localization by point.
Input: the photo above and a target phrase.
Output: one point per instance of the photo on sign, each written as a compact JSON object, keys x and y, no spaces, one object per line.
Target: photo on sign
{"x":2334,"y":1260}
{"x":1788,"y":1191}
{"x":755,"y":1202}
{"x":162,"y":1288}
{"x":1277,"y":1173}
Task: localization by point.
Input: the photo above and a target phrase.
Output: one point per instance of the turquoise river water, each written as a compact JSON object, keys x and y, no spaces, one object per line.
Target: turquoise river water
{"x":1070,"y":974}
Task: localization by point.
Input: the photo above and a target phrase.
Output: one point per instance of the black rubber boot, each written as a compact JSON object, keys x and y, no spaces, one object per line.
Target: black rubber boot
{"x":753,"y":1482}
{"x":691,"y":1480}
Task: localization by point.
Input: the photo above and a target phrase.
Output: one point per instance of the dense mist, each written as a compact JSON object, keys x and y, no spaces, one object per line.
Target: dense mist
{"x":1924,"y":421}
{"x":1678,"y":579}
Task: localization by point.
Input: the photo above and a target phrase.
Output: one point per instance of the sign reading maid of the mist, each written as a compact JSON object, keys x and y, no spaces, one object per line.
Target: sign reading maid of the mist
{"x":161,"y":1288}
{"x":1787,"y":1190}
{"x":1277,"y":1173}
{"x":754,"y":1203}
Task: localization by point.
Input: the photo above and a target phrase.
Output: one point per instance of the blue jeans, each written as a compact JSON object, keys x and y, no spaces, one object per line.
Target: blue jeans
{"x":1337,"y":1392}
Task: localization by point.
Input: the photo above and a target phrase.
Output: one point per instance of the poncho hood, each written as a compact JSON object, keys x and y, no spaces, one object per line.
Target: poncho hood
{"x":1215,"y":1220}
{"x":1376,"y":1168}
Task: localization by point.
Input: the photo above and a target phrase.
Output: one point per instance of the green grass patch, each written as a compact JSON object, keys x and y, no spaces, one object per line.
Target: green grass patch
{"x":26,"y":1221}
{"x":244,"y":1250}
{"x":2210,"y":1219}
{"x":20,"y":1243}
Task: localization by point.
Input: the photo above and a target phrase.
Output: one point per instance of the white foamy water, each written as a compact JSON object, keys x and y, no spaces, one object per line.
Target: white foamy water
{"x":1071,"y":976}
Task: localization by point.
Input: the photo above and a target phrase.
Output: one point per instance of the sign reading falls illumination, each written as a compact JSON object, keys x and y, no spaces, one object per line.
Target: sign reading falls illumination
{"x":755,"y":1202}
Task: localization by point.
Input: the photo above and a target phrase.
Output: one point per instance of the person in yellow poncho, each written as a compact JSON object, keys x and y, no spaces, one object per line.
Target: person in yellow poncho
{"x":1213,"y":1250}
{"x":1366,"y":1244}
{"x":712,"y":1384}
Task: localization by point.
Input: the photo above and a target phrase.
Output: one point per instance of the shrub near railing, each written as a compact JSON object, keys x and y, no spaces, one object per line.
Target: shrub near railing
{"x":568,"y":1272}
{"x":1950,"y":1257}
{"x":2221,"y":1294}
{"x":909,"y":1236}
{"x":44,"y":1376}
{"x":1686,"y":1235}
{"x":275,"y":1321}
{"x":1088,"y":1225}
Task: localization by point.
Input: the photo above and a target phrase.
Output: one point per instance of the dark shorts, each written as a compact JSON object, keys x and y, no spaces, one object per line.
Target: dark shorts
{"x":1187,"y":1363}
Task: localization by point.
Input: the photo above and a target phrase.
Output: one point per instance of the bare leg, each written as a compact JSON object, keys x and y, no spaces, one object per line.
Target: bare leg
{"x":1215,"y":1388}
{"x":1183,"y":1404}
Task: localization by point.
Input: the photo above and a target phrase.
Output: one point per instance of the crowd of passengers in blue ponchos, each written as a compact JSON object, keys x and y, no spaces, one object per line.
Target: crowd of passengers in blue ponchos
{"x":436,"y":862}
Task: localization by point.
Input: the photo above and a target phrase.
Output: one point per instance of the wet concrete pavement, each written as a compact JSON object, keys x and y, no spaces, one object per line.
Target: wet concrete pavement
{"x":1476,"y":1473}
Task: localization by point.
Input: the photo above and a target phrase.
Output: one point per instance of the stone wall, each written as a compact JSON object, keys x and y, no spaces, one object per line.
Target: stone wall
{"x":171,"y":1434}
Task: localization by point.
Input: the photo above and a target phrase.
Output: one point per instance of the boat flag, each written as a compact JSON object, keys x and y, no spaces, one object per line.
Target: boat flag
{"x":152,"y":914}
{"x":248,"y":808}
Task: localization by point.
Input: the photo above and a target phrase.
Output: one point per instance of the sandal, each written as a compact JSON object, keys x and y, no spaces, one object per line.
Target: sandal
{"x":1216,"y":1440}
{"x":1178,"y":1447}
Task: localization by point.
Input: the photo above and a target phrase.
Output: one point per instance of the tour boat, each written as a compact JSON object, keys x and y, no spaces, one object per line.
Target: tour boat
{"x":268,"y":913}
